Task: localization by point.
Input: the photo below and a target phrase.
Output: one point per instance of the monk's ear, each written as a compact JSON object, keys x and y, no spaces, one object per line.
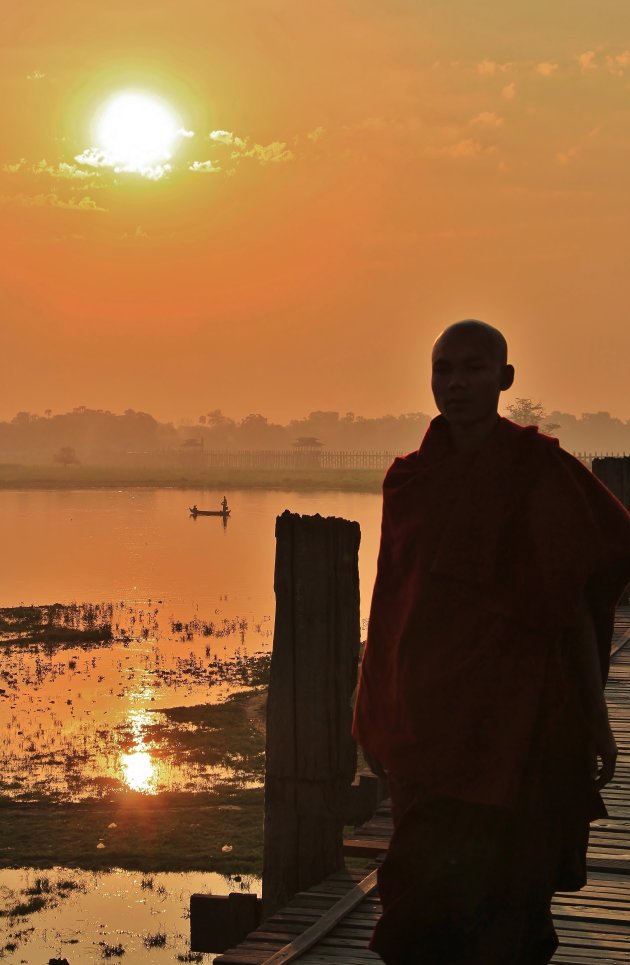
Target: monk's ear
{"x":507,"y":377}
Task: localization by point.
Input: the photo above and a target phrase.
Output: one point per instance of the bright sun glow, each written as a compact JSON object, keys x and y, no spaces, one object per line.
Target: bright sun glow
{"x":137,"y":131}
{"x":139,"y":771}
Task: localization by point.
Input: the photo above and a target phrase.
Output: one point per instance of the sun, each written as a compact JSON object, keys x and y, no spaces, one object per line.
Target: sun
{"x":136,"y":130}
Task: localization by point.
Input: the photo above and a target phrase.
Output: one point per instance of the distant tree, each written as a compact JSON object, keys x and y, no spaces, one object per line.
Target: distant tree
{"x":307,"y":442}
{"x":67,"y":456}
{"x":216,"y":418}
{"x":48,"y":413}
{"x":202,"y":420}
{"x":527,"y":413}
{"x":22,"y":418}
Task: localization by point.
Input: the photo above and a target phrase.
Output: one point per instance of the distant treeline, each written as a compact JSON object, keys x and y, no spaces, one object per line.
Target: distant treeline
{"x":99,"y":437}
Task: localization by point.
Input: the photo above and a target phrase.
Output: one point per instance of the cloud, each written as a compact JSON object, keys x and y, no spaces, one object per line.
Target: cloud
{"x":276,"y":152}
{"x":35,"y":75}
{"x":209,"y":167}
{"x":51,"y":200}
{"x":567,"y":157}
{"x":466,"y":148}
{"x":182,"y":132}
{"x":138,"y":235}
{"x":587,"y":61}
{"x":617,"y":63}
{"x":487,"y":119}
{"x":94,"y":157}
{"x":316,"y":134}
{"x":226,"y":137}
{"x":546,"y":68}
{"x":488,"y":68}
{"x":60,"y":170}
{"x":509,"y":91}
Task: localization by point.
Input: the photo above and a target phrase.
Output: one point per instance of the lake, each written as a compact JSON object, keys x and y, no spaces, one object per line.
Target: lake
{"x":139,"y":545}
{"x":113,"y":727}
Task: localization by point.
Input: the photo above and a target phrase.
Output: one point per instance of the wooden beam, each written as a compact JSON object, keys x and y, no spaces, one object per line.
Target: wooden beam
{"x":326,"y":923}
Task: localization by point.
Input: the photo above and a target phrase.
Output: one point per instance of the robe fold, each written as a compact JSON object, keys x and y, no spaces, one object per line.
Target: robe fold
{"x":466,"y":692}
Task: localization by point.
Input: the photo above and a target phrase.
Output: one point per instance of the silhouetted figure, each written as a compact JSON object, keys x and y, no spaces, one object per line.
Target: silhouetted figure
{"x":194,"y":509}
{"x":224,"y":504}
{"x":481,"y":689}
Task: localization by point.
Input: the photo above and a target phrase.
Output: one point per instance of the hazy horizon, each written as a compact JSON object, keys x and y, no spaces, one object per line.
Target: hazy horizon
{"x":186,"y":420}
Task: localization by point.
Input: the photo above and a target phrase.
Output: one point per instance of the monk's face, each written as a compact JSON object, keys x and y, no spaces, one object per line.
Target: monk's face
{"x":467,"y":378}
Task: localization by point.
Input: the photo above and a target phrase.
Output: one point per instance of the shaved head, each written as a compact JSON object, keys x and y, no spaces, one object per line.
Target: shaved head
{"x":469,"y":370}
{"x":472,"y":328}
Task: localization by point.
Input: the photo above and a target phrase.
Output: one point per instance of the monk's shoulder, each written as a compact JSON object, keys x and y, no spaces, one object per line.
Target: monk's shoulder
{"x":533,"y":449}
{"x":401,"y":468}
{"x":552,"y":470}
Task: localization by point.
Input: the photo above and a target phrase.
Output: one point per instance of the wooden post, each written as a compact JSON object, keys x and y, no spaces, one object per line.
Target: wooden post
{"x":311,"y":757}
{"x":218,"y":922}
{"x":614,"y":472}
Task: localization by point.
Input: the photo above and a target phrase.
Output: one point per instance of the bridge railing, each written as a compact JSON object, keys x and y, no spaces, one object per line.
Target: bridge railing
{"x":295,"y":459}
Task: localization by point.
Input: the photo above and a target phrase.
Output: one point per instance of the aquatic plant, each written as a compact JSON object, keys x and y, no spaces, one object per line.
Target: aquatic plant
{"x":111,"y":951}
{"x":23,"y":908}
{"x":42,"y":886}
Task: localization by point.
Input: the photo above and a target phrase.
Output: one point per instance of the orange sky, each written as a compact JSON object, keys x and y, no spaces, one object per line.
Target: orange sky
{"x":384,"y":168}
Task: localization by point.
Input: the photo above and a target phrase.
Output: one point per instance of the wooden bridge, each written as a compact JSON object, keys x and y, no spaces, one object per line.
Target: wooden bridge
{"x":332,"y":922}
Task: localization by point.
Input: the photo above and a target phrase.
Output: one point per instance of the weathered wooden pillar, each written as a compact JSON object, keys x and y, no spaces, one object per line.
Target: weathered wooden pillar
{"x":311,"y":757}
{"x":614,"y":472}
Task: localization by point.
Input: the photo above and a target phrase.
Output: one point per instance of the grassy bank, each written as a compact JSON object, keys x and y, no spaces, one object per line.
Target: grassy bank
{"x":218,"y":831}
{"x":105,"y":477}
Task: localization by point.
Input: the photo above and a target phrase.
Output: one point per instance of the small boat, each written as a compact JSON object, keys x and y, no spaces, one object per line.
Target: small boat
{"x":209,"y":512}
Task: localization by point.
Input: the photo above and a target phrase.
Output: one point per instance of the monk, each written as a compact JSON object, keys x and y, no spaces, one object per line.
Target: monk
{"x":481,"y":693}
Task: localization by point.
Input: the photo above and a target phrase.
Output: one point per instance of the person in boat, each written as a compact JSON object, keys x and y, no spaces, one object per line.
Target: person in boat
{"x":194,"y":509}
{"x":224,"y":505}
{"x":481,"y":687}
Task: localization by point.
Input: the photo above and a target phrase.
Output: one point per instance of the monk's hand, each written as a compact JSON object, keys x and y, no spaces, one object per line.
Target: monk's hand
{"x":604,"y":752}
{"x":375,"y":766}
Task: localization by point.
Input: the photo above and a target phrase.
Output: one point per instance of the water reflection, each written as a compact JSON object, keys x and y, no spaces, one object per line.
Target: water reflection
{"x":139,"y":772}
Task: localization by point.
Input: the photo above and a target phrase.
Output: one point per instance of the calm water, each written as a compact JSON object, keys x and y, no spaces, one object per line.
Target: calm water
{"x":136,"y":545}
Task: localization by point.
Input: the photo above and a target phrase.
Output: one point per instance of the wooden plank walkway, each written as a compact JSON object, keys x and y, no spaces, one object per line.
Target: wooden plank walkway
{"x":593,"y":924}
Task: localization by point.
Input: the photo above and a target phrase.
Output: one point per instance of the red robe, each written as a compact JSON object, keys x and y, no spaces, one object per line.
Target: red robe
{"x":467,"y":695}
{"x":484,"y":561}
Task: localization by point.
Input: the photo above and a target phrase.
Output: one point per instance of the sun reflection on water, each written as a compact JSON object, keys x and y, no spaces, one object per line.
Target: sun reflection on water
{"x":139,"y":772}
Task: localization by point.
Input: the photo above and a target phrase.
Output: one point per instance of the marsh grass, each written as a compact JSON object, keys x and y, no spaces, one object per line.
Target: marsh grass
{"x":158,"y":940}
{"x":24,"y":908}
{"x":111,"y":951}
{"x":43,"y":893}
{"x":227,"y":734}
{"x":57,"y":623}
{"x":42,"y":886}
